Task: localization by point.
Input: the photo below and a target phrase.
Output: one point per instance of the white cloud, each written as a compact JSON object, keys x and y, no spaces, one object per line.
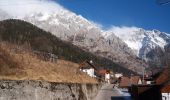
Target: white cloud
{"x":21,"y":8}
{"x":121,"y":30}
{"x":97,"y":24}
{"x":25,"y":7}
{"x":126,"y":34}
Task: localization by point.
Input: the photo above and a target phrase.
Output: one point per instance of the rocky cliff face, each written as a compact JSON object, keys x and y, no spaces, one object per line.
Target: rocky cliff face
{"x":141,"y":41}
{"x":146,"y":44}
{"x":38,"y":90}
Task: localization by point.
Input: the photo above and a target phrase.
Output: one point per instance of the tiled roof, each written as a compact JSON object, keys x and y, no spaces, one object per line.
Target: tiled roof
{"x":87,"y":65}
{"x":124,"y":82}
{"x":102,"y":72}
{"x":135,"y":80}
{"x":164,"y":80}
{"x":166,"y":89}
{"x":163,"y":77}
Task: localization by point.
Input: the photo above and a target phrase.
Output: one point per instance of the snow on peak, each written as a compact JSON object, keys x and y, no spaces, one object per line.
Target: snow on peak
{"x":138,"y":38}
{"x":129,"y":36}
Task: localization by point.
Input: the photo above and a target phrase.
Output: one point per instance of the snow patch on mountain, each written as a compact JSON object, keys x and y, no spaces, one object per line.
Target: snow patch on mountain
{"x":129,"y":36}
{"x":140,"y":40}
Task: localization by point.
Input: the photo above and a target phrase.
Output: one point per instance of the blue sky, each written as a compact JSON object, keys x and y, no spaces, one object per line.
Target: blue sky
{"x":145,"y":14}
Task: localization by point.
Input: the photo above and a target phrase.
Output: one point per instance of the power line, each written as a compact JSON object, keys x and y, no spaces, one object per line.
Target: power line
{"x":163,"y":2}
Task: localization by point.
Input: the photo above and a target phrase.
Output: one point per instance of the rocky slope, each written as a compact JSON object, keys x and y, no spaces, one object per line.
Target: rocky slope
{"x":146,"y":44}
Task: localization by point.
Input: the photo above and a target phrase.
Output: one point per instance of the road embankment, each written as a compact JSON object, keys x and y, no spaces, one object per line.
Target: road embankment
{"x":41,"y":90}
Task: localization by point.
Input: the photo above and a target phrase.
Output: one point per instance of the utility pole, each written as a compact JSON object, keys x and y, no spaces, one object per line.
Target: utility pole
{"x":74,"y":38}
{"x":143,"y":75}
{"x":143,"y":72}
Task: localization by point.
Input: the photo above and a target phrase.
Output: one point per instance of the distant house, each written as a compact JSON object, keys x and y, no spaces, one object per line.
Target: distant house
{"x":103,"y":73}
{"x":165,"y":91}
{"x":107,"y":76}
{"x":88,"y":68}
{"x":149,"y":80}
{"x":126,"y":82}
{"x":136,"y":80}
{"x":118,"y":75}
{"x":145,"y":92}
{"x":164,"y":80}
{"x":159,"y":90}
{"x":166,"y":88}
{"x":140,"y":90}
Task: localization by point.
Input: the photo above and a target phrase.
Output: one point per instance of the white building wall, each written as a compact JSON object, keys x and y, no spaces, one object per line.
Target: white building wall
{"x":165,"y":96}
{"x":118,"y":75}
{"x":148,"y":82}
{"x":140,"y":81}
{"x":90,"y":72}
{"x":107,"y":77}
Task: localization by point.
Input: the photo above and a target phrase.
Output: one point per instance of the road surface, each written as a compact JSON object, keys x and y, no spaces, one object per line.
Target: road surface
{"x":107,"y":92}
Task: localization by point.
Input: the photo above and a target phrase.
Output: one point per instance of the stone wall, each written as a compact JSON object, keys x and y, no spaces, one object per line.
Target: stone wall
{"x":40,"y":90}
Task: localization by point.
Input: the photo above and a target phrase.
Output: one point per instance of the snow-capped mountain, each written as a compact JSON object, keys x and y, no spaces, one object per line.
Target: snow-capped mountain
{"x":142,"y":42}
{"x":74,"y":28}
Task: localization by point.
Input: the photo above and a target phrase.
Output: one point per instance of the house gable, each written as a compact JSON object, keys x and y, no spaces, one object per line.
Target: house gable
{"x":140,"y":81}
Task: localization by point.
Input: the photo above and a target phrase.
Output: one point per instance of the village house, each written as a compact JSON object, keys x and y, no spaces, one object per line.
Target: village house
{"x":88,"y":68}
{"x":166,"y":92}
{"x":118,"y":75}
{"x":136,"y":80}
{"x":156,"y":86}
{"x":105,"y":74}
{"x":126,"y":82}
{"x":139,"y":89}
{"x":89,"y":71}
{"x":164,"y":81}
{"x":149,"y":80}
{"x":101,"y":73}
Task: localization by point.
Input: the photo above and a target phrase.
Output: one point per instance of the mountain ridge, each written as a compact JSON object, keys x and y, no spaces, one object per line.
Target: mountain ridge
{"x":149,"y":45}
